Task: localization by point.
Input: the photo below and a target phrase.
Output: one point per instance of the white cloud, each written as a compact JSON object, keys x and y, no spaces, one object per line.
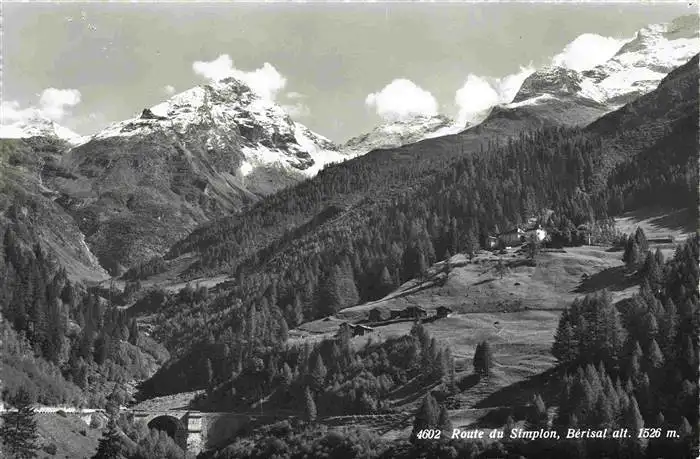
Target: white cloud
{"x":169,"y":89}
{"x":587,"y":51}
{"x":478,"y":94}
{"x":218,"y":69}
{"x":265,"y":81}
{"x":402,"y":99}
{"x":295,"y":106}
{"x":297,"y":110}
{"x":53,"y":104}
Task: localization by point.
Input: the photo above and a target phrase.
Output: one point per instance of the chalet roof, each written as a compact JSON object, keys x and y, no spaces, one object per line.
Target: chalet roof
{"x":513,"y":231}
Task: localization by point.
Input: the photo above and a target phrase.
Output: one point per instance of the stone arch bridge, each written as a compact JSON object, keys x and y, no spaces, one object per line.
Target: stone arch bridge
{"x":194,"y":431}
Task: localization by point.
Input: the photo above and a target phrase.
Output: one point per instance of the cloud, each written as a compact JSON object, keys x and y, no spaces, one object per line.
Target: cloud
{"x":297,"y":110}
{"x":295,"y":107}
{"x":169,"y":89}
{"x":587,"y":51}
{"x":53,"y":104}
{"x":402,"y":99}
{"x":266,"y":81}
{"x":218,"y":69}
{"x":478,"y":94}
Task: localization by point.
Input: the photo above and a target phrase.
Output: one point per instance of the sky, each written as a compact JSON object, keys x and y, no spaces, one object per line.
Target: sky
{"x":339,"y":68}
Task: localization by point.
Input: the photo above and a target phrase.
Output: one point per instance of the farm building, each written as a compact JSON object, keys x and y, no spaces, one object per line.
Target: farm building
{"x":353,"y":330}
{"x":361,"y":330}
{"x":491,"y":242}
{"x":443,"y":311}
{"x":414,"y":312}
{"x":512,"y":237}
{"x":378,"y":315}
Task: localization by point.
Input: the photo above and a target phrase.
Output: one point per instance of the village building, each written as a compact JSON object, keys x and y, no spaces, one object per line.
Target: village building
{"x":491,"y":242}
{"x":414,"y":312}
{"x":353,"y":330}
{"x":361,"y":330}
{"x":378,"y":315}
{"x":512,"y":237}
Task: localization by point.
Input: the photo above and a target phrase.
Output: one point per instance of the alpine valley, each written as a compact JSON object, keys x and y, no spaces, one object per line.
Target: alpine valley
{"x":311,"y":299}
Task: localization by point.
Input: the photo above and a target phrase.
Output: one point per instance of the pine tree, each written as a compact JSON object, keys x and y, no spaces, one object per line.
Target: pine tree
{"x":565,"y":346}
{"x":540,"y":411}
{"x":501,"y":268}
{"x":641,"y":240}
{"x":635,"y":422}
{"x":386,"y":283}
{"x":309,"y":405}
{"x":471,"y":245}
{"x":632,"y":253}
{"x":447,"y":369}
{"x":654,"y":355}
{"x":426,"y":417}
{"x":337,"y":291}
{"x":483,"y":359}
{"x":444,"y":423}
{"x":286,"y":376}
{"x":18,"y":431}
{"x":684,"y":429}
{"x":509,"y":426}
{"x":532,"y":247}
{"x":109,"y":446}
{"x":318,"y":374}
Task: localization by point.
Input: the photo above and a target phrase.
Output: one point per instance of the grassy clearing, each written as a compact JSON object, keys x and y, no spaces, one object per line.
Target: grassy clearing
{"x":660,"y":223}
{"x":517,"y":314}
{"x":73,"y":438}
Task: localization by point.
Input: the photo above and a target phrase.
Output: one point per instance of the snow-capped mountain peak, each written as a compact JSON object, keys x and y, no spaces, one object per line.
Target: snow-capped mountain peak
{"x":229,"y":113}
{"x":39,"y":126}
{"x":635,"y":69}
{"x":401,"y":132}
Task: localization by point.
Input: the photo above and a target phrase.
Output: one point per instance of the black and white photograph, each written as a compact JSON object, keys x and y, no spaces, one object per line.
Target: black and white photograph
{"x":349,"y":230}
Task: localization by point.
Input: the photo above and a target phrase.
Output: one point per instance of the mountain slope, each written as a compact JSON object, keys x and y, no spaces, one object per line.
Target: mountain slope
{"x":27,"y":204}
{"x":299,"y":255}
{"x":143,"y":183}
{"x":392,"y":169}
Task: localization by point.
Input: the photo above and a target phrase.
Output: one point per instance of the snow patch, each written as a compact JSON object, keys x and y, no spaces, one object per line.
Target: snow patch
{"x":40,"y":127}
{"x":320,"y":156}
{"x":532,"y":101}
{"x":246,"y":168}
